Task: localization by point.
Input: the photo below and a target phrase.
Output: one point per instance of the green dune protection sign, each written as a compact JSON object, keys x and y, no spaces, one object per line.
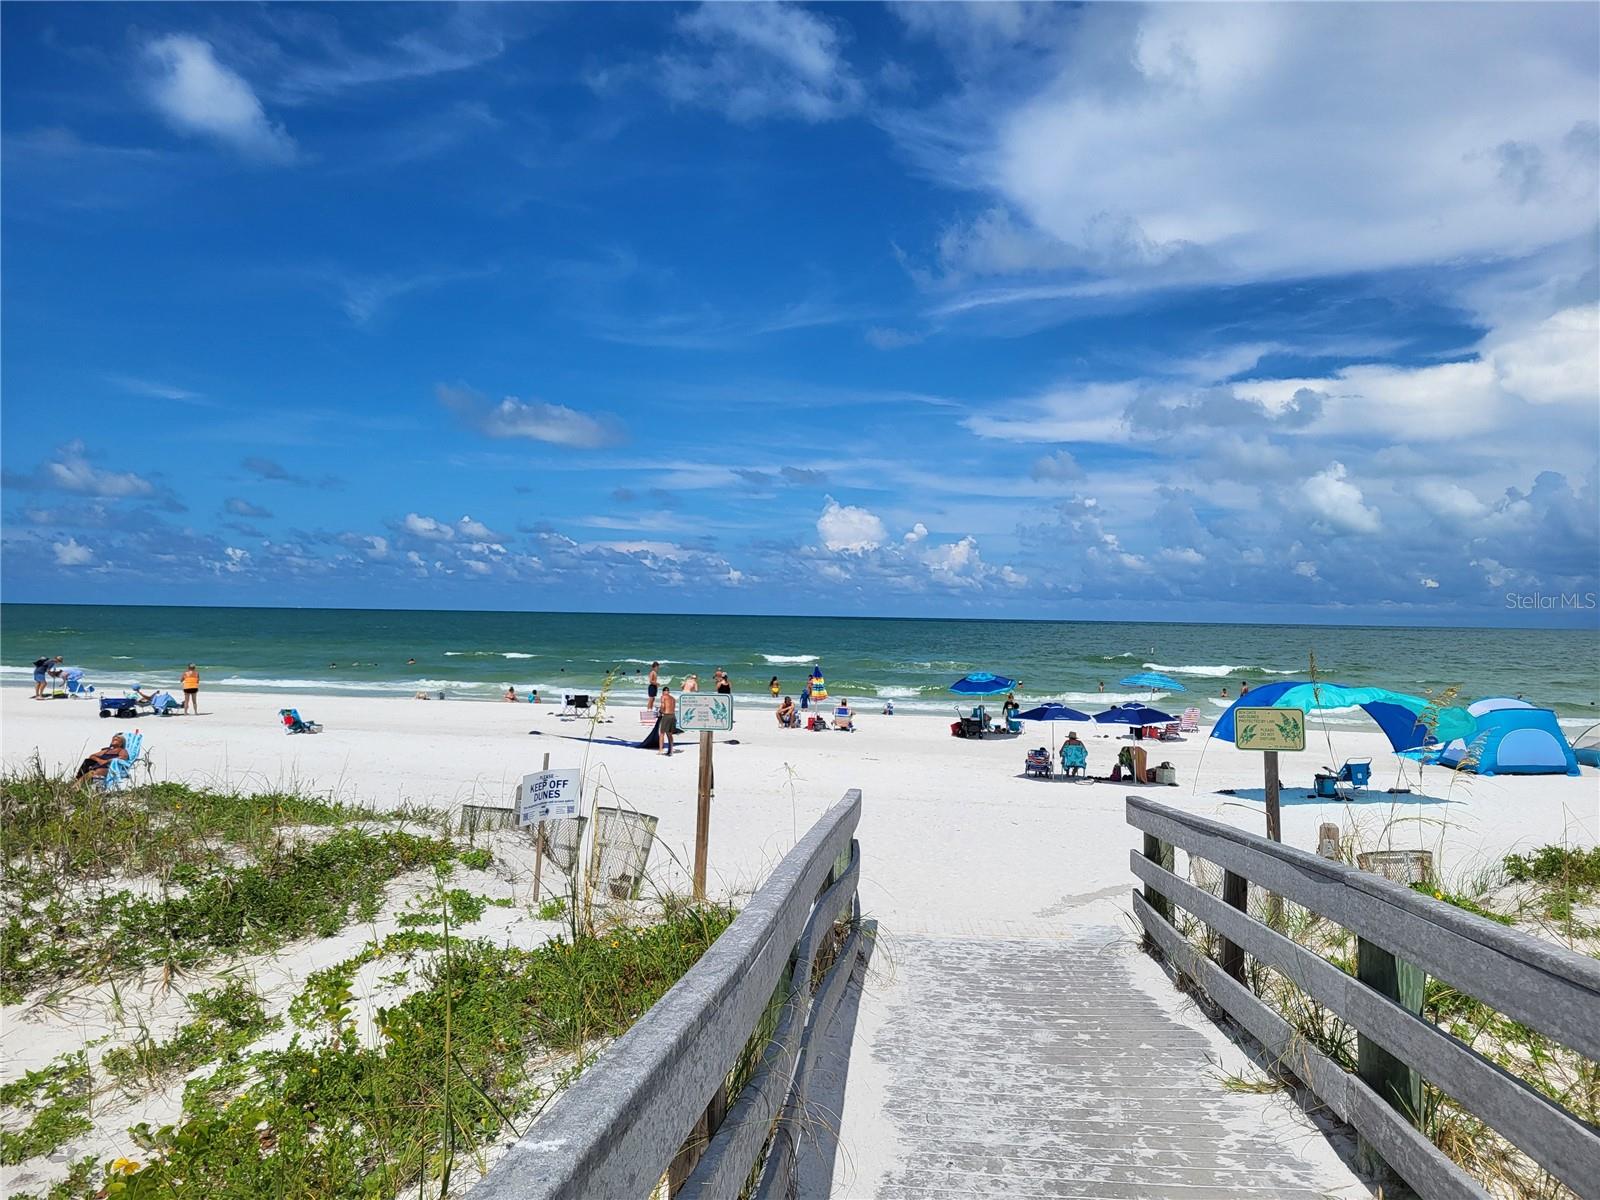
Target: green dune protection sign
{"x":1269,"y":728}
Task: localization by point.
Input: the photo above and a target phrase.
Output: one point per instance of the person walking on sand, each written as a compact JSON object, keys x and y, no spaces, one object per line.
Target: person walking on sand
{"x":669,"y":719}
{"x":191,"y":689}
{"x":652,"y":687}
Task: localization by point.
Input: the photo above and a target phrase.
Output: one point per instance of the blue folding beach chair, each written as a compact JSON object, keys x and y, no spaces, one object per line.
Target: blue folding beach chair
{"x":120,"y":773}
{"x":294,"y":723}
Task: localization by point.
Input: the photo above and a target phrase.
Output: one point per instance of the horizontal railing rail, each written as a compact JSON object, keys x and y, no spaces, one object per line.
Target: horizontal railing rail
{"x":1400,"y":934}
{"x":636,"y":1112}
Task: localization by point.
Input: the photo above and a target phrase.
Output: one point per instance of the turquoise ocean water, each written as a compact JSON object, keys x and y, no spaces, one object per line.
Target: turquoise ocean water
{"x":475,"y":655}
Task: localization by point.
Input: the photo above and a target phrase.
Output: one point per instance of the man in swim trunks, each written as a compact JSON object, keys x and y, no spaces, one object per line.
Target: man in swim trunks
{"x":652,"y":687}
{"x":191,"y":689}
{"x":668,"y":721}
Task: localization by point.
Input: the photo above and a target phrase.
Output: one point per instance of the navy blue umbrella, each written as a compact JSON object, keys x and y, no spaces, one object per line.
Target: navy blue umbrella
{"x":981,"y":683}
{"x":1133,"y":713}
{"x":1053,"y":712}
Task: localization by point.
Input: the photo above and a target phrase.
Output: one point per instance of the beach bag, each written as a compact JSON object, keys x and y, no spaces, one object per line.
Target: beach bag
{"x":955,"y":729}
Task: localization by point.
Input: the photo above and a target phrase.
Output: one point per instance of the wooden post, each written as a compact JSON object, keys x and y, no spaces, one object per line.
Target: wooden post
{"x":1236,"y":893}
{"x":1160,"y":853}
{"x":1269,"y":761}
{"x":702,"y":817}
{"x":1392,"y":1078}
{"x":538,"y":846}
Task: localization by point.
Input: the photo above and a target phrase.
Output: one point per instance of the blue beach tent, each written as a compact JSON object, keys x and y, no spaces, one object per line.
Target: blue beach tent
{"x":1520,"y":741}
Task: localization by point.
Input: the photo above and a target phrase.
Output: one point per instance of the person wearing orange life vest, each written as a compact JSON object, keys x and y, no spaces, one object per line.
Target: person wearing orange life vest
{"x":191,"y":689}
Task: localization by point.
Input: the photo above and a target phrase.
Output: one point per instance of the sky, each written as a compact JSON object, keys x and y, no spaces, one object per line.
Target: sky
{"x":1255,"y":313}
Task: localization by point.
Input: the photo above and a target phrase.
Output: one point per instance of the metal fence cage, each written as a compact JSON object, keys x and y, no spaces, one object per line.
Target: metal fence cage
{"x":620,"y":849}
{"x":477,"y":818}
{"x":560,"y":839}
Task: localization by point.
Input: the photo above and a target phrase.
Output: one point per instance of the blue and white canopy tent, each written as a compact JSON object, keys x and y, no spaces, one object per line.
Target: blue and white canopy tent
{"x":1401,"y":716}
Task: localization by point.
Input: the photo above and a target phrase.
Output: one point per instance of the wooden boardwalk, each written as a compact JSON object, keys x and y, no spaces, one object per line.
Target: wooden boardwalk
{"x":1053,"y":1065}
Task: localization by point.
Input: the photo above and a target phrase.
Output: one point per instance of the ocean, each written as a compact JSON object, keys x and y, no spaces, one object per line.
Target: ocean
{"x":476,"y":655}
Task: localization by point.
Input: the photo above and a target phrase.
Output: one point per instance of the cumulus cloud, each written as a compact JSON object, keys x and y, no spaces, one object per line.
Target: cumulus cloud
{"x":844,"y":527}
{"x":70,"y":554}
{"x":751,"y":61}
{"x":1056,"y":467}
{"x":243,"y":508}
{"x":71,"y":471}
{"x":1266,"y":114}
{"x":198,"y":95}
{"x":1339,"y":503}
{"x":427,"y":528}
{"x":535,"y":420}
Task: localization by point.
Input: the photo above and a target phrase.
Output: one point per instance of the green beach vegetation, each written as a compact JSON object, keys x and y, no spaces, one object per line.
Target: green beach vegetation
{"x":315,"y":1089}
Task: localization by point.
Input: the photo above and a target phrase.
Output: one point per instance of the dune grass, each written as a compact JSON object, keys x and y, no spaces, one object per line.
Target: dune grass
{"x":479,"y":1037}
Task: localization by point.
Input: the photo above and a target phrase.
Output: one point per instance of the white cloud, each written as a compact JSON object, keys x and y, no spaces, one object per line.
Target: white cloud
{"x":1186,"y":555}
{"x":1266,"y":114}
{"x":476,"y":530}
{"x":534,"y":420}
{"x":1449,"y":500}
{"x":1428,"y":582}
{"x":377,"y":547}
{"x":848,"y":528}
{"x":238,"y":559}
{"x":70,"y":554}
{"x":1555,"y":361}
{"x":72,"y":472}
{"x":916,"y":533}
{"x":1059,"y":466}
{"x":1338,"y":502}
{"x":1306,"y":569}
{"x":243,"y":508}
{"x":197,"y":94}
{"x":761,"y":60}
{"x":428,"y":528}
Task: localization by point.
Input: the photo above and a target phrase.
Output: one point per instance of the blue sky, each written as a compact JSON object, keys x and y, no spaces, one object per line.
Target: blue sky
{"x":1252,"y":312}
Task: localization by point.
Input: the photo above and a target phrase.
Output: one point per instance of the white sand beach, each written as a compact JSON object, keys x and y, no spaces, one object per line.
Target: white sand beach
{"x":955,"y":841}
{"x":950,"y":829}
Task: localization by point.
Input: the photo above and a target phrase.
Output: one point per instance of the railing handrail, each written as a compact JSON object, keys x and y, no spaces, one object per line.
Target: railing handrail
{"x":618,"y":1127}
{"x":1546,"y":987}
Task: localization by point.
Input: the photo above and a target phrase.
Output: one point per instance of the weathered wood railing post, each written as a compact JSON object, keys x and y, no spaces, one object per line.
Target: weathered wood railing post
{"x":1235,"y":893}
{"x":1160,"y":853}
{"x":1396,"y":1082}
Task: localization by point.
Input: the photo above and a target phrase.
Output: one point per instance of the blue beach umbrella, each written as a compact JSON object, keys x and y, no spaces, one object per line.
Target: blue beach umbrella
{"x":1132,"y":713}
{"x":981,"y":683}
{"x":1053,"y":712}
{"x":1155,"y":681}
{"x":1400,"y":715}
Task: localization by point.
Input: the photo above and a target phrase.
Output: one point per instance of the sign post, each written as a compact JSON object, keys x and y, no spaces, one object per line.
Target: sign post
{"x":538,"y":844}
{"x":704,"y":713}
{"x":1270,"y":730}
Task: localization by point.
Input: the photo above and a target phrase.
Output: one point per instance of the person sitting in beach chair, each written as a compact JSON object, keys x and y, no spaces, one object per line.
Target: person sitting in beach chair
{"x":1191,"y":721}
{"x":293,"y":723}
{"x":162,"y":703}
{"x":1074,"y":757}
{"x":1169,"y":732}
{"x":843,"y":718}
{"x":1037,"y":764}
{"x":97,"y":766}
{"x":788,"y":718}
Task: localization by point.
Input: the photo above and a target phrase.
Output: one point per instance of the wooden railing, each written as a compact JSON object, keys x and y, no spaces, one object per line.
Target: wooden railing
{"x":1401,"y":937}
{"x":652,"y":1115}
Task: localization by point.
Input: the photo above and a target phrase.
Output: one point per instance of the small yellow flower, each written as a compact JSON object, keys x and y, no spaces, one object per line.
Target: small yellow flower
{"x":125,"y":1166}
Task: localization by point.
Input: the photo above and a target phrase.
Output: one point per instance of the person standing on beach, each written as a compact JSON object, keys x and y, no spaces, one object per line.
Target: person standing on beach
{"x":724,"y":684}
{"x":772,"y":686}
{"x":691,"y":683}
{"x":191,"y":689}
{"x":41,"y":673}
{"x":669,"y":720}
{"x":805,"y":695}
{"x":652,"y":687}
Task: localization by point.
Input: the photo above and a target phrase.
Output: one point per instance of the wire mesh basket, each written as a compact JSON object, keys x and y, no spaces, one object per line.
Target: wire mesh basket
{"x":619,"y":852}
{"x":1401,"y":866}
{"x":560,"y":840}
{"x":478,"y":818}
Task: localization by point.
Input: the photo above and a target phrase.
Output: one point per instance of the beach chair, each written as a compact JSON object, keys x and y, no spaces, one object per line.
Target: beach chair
{"x":1074,"y":759}
{"x":1013,"y":723}
{"x":1170,"y":733}
{"x":1355,"y":774}
{"x":76,"y":686}
{"x":844,"y":719}
{"x":1190,"y":722}
{"x":120,"y":773}
{"x":574,"y":706}
{"x":294,"y":723}
{"x":1037,"y":764}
